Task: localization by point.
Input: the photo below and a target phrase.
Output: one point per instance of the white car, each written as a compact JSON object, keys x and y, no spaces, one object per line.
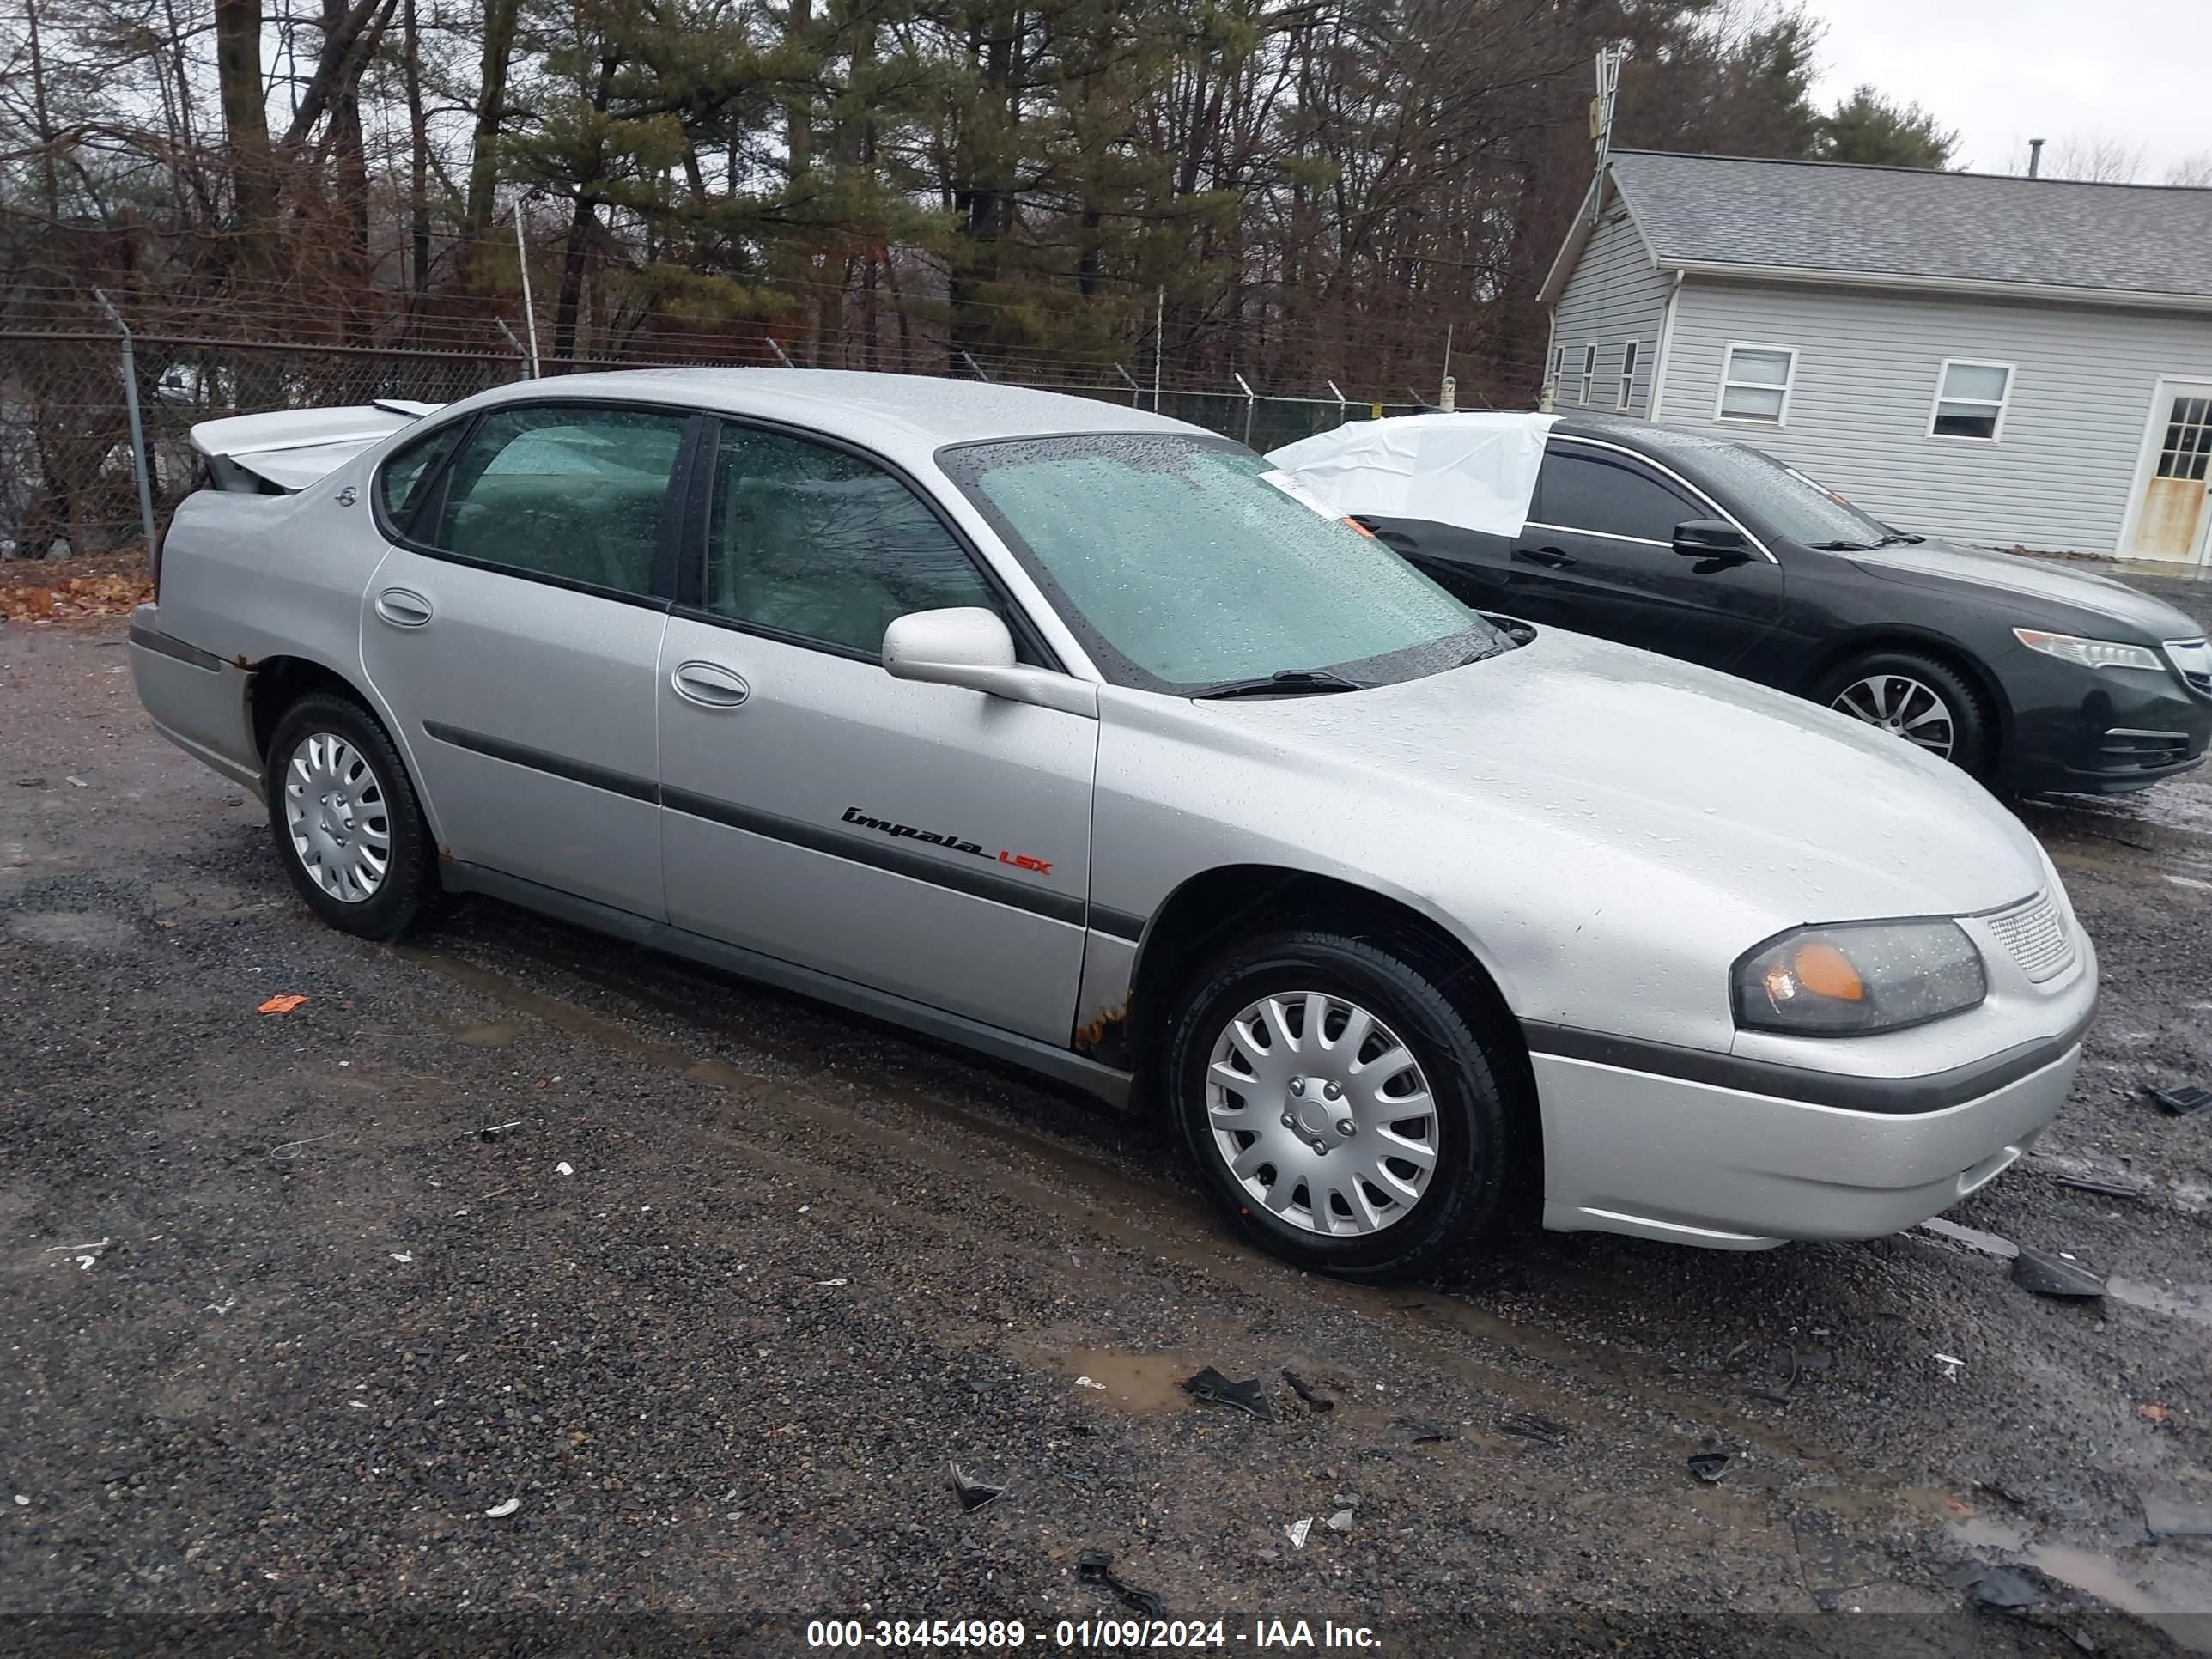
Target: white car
{"x":1067,"y":733}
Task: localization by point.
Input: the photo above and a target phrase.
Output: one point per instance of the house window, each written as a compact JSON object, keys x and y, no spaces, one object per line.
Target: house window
{"x":1627,"y":373}
{"x":1559,"y":362}
{"x":1589,"y":372}
{"x":1755,"y":384}
{"x":1970,"y":400}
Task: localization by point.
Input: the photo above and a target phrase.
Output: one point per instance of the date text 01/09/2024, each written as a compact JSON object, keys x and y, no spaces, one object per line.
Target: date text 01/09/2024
{"x":1089,"y":1634}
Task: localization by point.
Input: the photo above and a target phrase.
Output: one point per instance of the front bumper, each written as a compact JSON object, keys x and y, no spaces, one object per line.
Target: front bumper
{"x":1691,"y":1163}
{"x":2099,"y":730}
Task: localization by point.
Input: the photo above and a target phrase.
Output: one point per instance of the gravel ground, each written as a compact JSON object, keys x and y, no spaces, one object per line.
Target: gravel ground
{"x":286,"y":1340}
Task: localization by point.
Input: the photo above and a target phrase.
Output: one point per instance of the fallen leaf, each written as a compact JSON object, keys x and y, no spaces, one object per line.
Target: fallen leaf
{"x":282,"y":1005}
{"x":2155,"y":1414}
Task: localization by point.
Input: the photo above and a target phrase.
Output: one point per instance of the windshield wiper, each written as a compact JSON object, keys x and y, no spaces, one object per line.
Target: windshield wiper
{"x":1897,"y":537}
{"x":1844,"y":547}
{"x":1284,"y":681}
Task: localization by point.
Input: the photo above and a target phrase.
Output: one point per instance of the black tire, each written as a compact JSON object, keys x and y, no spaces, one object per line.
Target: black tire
{"x":410,"y":876}
{"x":1466,"y":1192}
{"x":1974,"y":732}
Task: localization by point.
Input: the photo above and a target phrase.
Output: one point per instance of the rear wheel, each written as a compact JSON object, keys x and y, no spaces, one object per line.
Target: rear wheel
{"x":345,"y":818}
{"x":1919,"y":698}
{"x":1341,"y":1110}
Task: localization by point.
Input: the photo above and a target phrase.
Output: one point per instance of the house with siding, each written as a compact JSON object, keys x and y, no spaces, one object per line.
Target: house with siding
{"x":2000,"y":359}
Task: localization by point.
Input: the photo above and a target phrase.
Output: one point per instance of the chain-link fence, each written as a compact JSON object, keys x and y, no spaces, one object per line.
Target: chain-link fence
{"x":67,"y":482}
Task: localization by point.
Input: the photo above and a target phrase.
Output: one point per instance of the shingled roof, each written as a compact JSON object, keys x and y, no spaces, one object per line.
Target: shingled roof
{"x":1813,"y":220}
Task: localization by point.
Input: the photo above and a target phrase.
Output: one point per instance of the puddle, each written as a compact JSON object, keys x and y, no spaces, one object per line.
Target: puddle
{"x":86,"y":929}
{"x":1139,"y":1384}
{"x":2185,"y":1302}
{"x":2166,"y":1593}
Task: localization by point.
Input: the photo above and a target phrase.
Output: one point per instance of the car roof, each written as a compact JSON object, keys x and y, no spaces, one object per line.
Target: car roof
{"x":907,"y":415}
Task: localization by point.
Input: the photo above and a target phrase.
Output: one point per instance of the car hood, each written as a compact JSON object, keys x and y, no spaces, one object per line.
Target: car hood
{"x":1936,"y":563}
{"x":1778,"y":806}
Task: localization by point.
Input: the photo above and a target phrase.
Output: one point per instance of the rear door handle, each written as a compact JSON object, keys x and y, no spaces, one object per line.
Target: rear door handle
{"x":402,"y":607}
{"x":710,"y":686}
{"x":1556,"y":557}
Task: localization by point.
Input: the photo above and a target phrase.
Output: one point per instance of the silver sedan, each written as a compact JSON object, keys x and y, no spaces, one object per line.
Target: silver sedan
{"x":1072,"y":735}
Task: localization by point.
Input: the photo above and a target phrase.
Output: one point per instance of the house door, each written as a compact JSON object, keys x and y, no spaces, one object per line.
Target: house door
{"x":2171,"y":512}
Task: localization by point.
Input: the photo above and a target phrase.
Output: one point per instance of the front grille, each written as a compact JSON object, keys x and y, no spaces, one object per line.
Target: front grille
{"x":2193,"y":658}
{"x":2037,"y":935}
{"x":2125,"y":749}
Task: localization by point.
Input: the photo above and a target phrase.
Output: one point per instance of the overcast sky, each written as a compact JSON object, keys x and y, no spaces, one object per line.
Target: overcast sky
{"x":2004,"y":71}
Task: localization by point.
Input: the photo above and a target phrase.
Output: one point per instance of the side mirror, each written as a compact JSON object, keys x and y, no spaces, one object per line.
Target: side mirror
{"x":1710,"y":538}
{"x":969,"y":647}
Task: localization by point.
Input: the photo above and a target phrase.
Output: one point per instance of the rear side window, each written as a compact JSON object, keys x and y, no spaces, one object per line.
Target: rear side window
{"x":1594,"y":493}
{"x":814,"y":542}
{"x":576,"y":493}
{"x":399,"y":484}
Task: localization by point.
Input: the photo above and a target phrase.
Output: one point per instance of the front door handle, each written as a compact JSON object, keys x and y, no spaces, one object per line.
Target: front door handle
{"x":710,"y":686}
{"x":402,"y":607}
{"x":1556,"y":557}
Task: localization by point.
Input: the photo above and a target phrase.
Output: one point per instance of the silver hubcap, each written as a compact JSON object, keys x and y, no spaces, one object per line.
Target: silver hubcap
{"x":335,"y":813}
{"x":1900,"y":703}
{"x":1320,"y":1114}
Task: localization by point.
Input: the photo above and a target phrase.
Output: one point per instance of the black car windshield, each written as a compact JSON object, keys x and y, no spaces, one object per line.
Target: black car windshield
{"x":1184,"y":569}
{"x":1786,"y":500}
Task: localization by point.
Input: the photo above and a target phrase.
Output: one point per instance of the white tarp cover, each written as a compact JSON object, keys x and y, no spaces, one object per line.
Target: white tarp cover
{"x":292,"y":448}
{"x":1475,"y":470}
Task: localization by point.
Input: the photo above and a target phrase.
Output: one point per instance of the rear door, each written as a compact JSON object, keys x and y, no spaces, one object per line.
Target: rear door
{"x":1598,"y":557}
{"x":923,"y":840}
{"x":514,"y":630}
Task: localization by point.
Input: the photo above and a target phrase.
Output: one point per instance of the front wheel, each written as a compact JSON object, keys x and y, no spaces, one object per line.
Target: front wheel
{"x":1924,"y":700}
{"x":1340,"y":1110}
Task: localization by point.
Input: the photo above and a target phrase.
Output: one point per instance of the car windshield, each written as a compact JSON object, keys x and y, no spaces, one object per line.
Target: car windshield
{"x":1184,"y":569}
{"x":1788,"y":501}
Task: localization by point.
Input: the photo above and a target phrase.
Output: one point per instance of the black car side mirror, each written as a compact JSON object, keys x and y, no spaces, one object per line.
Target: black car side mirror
{"x":1710,"y":538}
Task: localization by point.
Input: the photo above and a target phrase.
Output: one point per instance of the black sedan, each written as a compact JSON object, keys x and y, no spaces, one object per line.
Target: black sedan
{"x":2033,"y":676}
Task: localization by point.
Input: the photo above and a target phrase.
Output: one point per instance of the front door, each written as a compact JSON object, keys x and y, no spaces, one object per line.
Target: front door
{"x":2171,"y":511}
{"x":515,"y":632}
{"x":923,"y":840}
{"x":1598,"y":557}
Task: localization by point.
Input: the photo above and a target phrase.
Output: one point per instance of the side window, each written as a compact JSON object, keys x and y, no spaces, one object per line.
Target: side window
{"x":1590,"y":492}
{"x":573,"y":491}
{"x":400,"y":480}
{"x":812,"y":542}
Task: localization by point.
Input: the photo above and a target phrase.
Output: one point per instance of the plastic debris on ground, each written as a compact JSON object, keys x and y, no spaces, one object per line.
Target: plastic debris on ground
{"x":1090,"y":1383}
{"x":1984,"y":1586}
{"x":972,"y":1493}
{"x":498,"y":1130}
{"x":1296,"y":1531}
{"x":1710,"y":1466}
{"x":281,"y":1004}
{"x":1096,"y":1567}
{"x":1952,"y":1365}
{"x":2049,"y":1273}
{"x":1214,"y":1388}
{"x":1340,"y":1521}
{"x":2165,"y":1518}
{"x":1419,"y":1431}
{"x":2182,"y":1099}
{"x":2105,"y":1188}
{"x":501,"y":1512}
{"x":1528,"y":1425}
{"x":1305,"y":1391}
{"x":563,"y":1168}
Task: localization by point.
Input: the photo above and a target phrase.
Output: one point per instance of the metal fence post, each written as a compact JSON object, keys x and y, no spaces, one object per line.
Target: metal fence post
{"x":975,"y":368}
{"x":1251,"y":403}
{"x":529,"y":306}
{"x":782,"y":356}
{"x":1136,"y":392}
{"x":141,"y":462}
{"x":1343,"y":410}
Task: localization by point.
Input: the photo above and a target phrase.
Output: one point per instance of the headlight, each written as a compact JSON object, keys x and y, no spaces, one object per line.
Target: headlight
{"x":1855,"y":977}
{"x":2089,"y":653}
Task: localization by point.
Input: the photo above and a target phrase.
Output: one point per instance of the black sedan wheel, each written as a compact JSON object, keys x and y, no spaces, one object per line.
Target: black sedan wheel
{"x":1925,"y":702}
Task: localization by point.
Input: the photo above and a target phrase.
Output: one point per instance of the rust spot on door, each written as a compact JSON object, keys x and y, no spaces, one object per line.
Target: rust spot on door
{"x":1105,"y":1036}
